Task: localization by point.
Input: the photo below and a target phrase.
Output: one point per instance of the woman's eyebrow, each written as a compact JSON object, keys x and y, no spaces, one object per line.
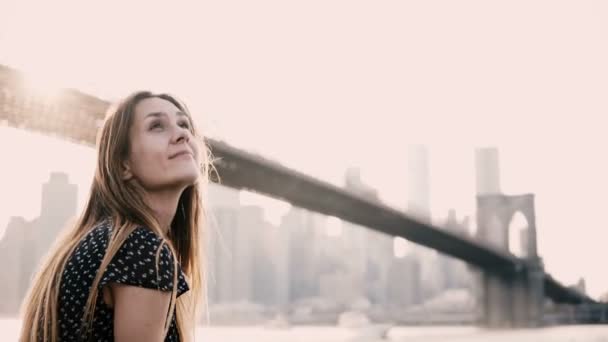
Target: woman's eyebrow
{"x":155,"y":114}
{"x":158,"y":114}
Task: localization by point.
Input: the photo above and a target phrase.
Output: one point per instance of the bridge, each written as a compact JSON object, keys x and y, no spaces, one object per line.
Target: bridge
{"x":514,"y":289}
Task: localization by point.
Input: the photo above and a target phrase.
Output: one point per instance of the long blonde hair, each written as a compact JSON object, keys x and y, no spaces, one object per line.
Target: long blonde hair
{"x":112,"y":197}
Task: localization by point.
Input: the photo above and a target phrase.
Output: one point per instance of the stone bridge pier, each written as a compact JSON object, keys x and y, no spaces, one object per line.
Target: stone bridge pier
{"x":510,"y":298}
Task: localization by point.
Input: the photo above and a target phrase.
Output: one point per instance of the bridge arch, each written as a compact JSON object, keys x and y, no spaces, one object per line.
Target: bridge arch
{"x":518,"y":231}
{"x":508,"y":223}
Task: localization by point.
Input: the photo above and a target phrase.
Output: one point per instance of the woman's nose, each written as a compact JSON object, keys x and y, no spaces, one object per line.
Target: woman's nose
{"x":181,"y":134}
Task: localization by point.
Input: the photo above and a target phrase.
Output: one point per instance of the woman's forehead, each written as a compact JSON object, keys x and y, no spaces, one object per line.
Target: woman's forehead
{"x":155,"y":105}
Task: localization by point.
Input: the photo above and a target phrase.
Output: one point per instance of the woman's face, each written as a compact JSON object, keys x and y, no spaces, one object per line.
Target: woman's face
{"x":164,"y":154}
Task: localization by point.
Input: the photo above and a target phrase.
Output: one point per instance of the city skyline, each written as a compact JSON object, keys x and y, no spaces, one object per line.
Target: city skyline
{"x":283,"y":267}
{"x":77,"y":168}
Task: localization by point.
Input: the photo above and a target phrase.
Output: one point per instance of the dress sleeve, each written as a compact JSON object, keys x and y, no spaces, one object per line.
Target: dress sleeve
{"x":135,"y":264}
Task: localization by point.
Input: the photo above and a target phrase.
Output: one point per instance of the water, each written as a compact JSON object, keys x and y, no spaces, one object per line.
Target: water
{"x":9,"y":330}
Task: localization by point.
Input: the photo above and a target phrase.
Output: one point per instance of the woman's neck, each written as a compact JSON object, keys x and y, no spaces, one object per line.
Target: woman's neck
{"x":163,"y":205}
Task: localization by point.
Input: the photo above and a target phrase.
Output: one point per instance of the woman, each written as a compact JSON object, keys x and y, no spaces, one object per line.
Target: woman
{"x":129,"y":269}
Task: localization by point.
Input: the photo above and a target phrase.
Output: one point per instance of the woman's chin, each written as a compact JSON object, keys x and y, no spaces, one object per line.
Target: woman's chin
{"x":181,"y":180}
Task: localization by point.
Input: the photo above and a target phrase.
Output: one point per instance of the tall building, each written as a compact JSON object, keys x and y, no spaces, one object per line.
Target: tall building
{"x":221,"y":256}
{"x":25,"y":244}
{"x":336,"y":283}
{"x":487,"y":171}
{"x":367,"y":253}
{"x":250,"y":224}
{"x":403,"y":286}
{"x":455,"y":273}
{"x":223,"y":232}
{"x":418,"y":182}
{"x":13,"y":252}
{"x":248,"y":257}
{"x":281,"y":263}
{"x":354,"y":236}
{"x":233,"y":244}
{"x":299,"y":225}
{"x":419,"y":206}
{"x":58,"y":206}
{"x":380,"y":255}
{"x":59,"y":203}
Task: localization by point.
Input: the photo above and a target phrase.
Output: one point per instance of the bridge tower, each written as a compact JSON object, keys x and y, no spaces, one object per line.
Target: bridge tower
{"x":509,"y":299}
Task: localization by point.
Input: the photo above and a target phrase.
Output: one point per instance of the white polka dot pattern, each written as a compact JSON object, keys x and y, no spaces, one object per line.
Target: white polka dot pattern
{"x":134,"y":264}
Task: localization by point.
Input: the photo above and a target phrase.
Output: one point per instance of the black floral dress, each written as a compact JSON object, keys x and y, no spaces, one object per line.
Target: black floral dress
{"x":134,"y":264}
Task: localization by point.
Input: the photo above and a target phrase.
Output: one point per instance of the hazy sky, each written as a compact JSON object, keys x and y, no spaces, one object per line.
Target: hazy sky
{"x":321,"y":85}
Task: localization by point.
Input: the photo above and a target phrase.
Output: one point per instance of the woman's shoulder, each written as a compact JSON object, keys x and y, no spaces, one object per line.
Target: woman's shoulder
{"x":141,"y":235}
{"x":140,"y":244}
{"x":143,"y":242}
{"x":143,"y":259}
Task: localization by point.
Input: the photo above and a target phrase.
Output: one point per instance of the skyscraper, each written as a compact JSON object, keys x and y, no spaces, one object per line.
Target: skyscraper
{"x":487,"y":171}
{"x":13,"y":252}
{"x":222,"y":230}
{"x":418,"y":182}
{"x":419,"y":206}
{"x":404,"y":287}
{"x":233,"y":244}
{"x":59,"y":202}
{"x":281,"y":260}
{"x":222,"y":236}
{"x":368,"y":253}
{"x":380,"y":255}
{"x":246,"y":241}
{"x":26,"y":243}
{"x":455,"y":273}
{"x":299,"y":225}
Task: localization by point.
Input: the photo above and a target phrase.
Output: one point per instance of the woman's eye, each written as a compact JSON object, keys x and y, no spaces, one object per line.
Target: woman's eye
{"x":185,"y":124}
{"x":156,"y":125}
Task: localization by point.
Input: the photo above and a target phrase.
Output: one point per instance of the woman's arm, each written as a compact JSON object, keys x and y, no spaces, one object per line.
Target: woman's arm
{"x":139,"y":313}
{"x":139,"y":287}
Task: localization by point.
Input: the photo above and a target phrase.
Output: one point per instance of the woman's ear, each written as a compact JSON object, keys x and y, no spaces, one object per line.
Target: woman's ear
{"x":126,"y":171}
